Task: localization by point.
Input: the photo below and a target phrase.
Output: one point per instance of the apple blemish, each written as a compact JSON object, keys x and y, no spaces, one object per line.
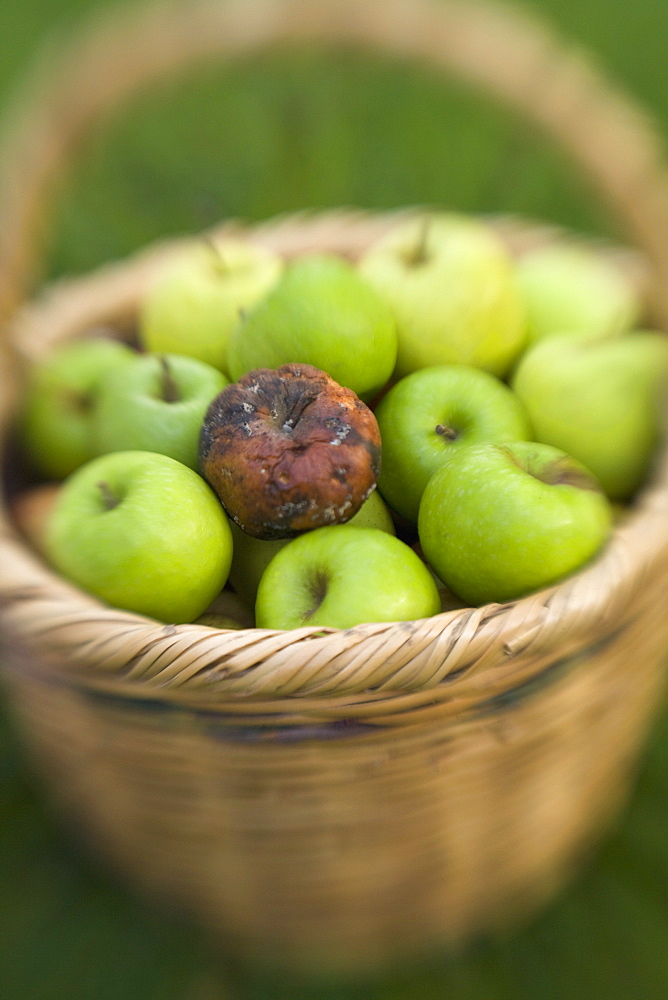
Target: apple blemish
{"x":289,"y":449}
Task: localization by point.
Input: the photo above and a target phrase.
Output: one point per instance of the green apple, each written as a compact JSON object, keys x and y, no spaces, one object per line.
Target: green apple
{"x":570,"y":289}
{"x":59,"y":402}
{"x":324,"y":314}
{"x":156,"y":402}
{"x":340,"y":576}
{"x":451,"y":284}
{"x":253,"y":555}
{"x":498,"y":521}
{"x":599,"y":401}
{"x":431,"y":413}
{"x":195,"y":303}
{"x":141,"y":532}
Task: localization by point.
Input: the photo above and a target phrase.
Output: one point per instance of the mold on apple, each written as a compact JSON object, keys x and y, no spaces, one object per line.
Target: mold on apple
{"x":289,"y":449}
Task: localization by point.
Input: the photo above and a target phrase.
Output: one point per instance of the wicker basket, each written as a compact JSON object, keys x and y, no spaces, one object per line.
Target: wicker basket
{"x":335,"y":800}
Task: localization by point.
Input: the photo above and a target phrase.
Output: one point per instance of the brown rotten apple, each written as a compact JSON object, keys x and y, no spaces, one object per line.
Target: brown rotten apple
{"x":289,"y":449}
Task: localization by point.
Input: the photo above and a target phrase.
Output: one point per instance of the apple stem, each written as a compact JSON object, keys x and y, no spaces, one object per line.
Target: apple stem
{"x":170,"y":390}
{"x":419,"y":254}
{"x":447,"y":432}
{"x":109,"y":499}
{"x":213,"y":246}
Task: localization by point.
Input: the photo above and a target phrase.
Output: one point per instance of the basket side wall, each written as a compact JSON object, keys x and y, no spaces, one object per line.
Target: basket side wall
{"x":353,"y":850}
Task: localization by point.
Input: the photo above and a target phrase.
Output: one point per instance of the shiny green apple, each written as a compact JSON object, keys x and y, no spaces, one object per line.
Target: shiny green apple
{"x":498,"y":521}
{"x":142,"y":532}
{"x":433,"y":412}
{"x":253,"y":555}
{"x":156,"y":402}
{"x":341,"y":576}
{"x":324,"y":314}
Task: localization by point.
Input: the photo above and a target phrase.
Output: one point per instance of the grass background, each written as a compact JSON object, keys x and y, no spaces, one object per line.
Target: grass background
{"x":312,"y":129}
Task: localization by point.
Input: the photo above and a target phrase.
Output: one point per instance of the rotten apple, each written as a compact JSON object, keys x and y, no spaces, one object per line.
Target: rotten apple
{"x":289,"y":449}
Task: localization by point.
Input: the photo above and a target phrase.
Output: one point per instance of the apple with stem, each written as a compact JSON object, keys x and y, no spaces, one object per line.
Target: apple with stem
{"x":142,"y":532}
{"x":430,"y":414}
{"x":195,"y":302}
{"x":498,"y":521}
{"x":341,"y":576}
{"x":451,"y":285}
{"x":321,"y":313}
{"x":156,"y":402}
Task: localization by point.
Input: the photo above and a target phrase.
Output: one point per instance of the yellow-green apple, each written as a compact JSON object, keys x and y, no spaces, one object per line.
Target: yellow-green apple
{"x":341,"y":576}
{"x":571,"y":289}
{"x":451,"y":285}
{"x":56,"y":423}
{"x":498,"y":521}
{"x":156,"y":402}
{"x":431,"y":413}
{"x":253,"y":555}
{"x":600,"y":401}
{"x":195,"y":302}
{"x":141,"y":532}
{"x":324,"y":314}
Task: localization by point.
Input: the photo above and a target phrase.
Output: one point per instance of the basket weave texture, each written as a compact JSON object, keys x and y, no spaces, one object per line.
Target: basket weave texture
{"x":344,"y":797}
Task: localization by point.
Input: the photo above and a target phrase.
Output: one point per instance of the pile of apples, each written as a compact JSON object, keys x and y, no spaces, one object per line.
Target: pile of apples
{"x":503,"y":408}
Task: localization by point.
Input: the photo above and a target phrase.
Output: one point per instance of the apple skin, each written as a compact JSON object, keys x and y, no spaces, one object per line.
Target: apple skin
{"x":340,"y":576}
{"x":194,"y":305}
{"x":253,"y":555}
{"x":164,"y":550}
{"x":156,"y":403}
{"x":494,"y":531}
{"x":56,"y":423}
{"x":451,"y":285}
{"x":599,"y":401}
{"x":324,"y":314}
{"x":569,"y":289}
{"x":431,"y":413}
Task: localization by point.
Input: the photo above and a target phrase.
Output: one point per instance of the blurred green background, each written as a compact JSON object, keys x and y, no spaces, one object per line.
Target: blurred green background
{"x":309,"y":129}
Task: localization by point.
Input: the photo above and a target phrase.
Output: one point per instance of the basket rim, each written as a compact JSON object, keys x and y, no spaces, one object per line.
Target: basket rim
{"x":460,"y":656}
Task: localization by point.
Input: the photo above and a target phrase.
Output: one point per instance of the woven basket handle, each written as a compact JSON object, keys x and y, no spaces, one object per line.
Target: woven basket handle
{"x":496,"y":50}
